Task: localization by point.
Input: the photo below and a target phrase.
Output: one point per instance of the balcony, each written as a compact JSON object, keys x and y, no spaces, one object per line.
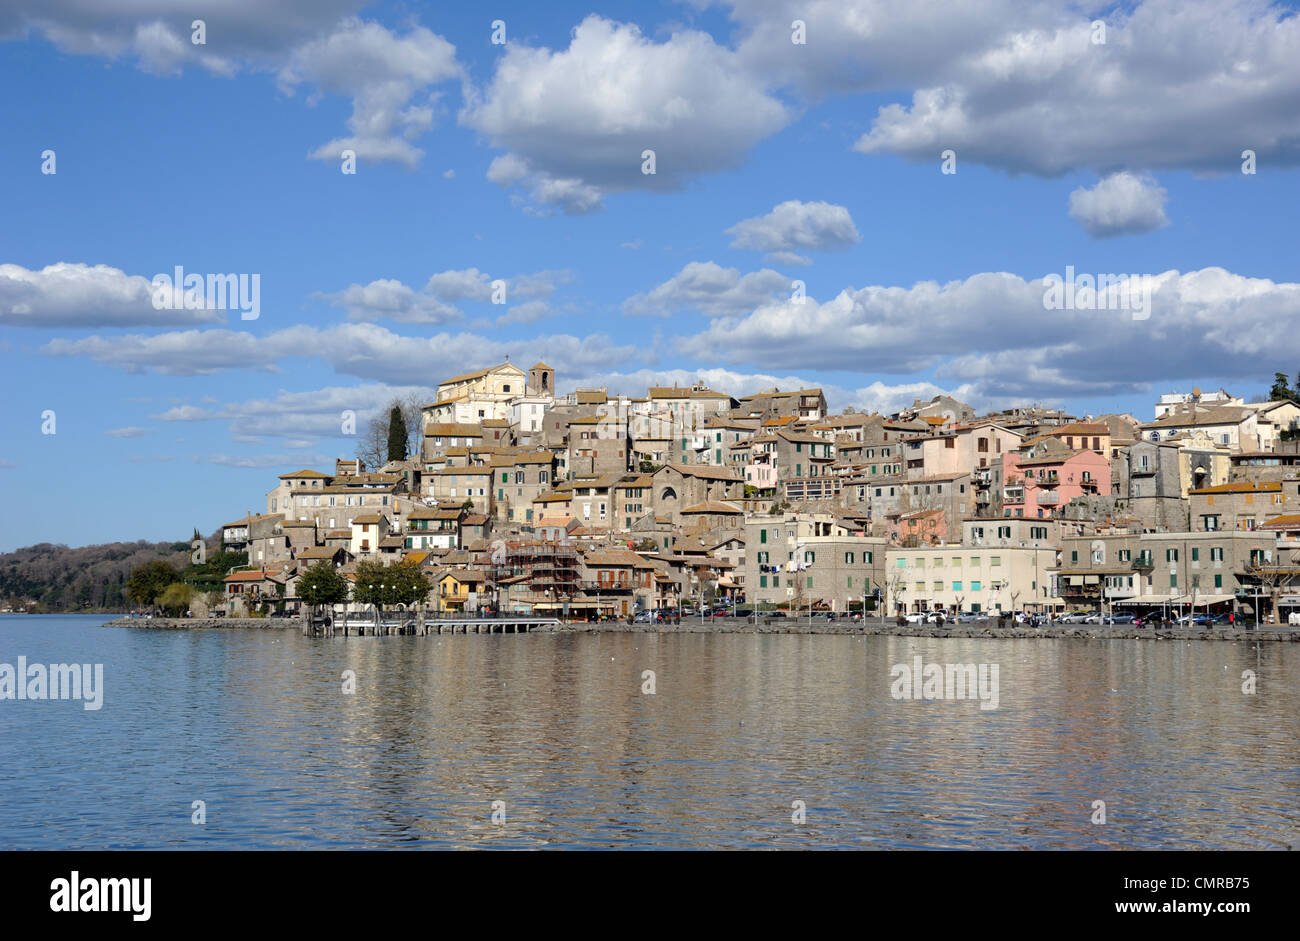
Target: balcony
{"x":1013,"y":495}
{"x":1049,"y":498}
{"x":1050,"y":479}
{"x":1141,"y":470}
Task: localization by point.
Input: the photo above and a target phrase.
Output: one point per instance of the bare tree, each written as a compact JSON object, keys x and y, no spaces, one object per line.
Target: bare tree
{"x":1273,"y":577}
{"x":412,"y":407}
{"x":372,"y":444}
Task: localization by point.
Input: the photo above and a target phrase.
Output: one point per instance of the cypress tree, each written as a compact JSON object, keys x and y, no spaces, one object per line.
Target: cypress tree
{"x":396,"y":435}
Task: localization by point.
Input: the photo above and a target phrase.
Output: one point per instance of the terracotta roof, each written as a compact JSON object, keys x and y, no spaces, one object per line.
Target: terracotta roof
{"x":1221,"y":415}
{"x":305,"y":473}
{"x":254,"y":576}
{"x":677,"y":392}
{"x":1284,"y":521}
{"x":452,"y":430}
{"x":319,"y":552}
{"x":251,"y":519}
{"x":714,"y":506}
{"x":478,"y":373}
{"x":701,"y":470}
{"x":367,"y":519}
{"x":1260,"y":486}
{"x":1081,"y":428}
{"x":615,"y":557}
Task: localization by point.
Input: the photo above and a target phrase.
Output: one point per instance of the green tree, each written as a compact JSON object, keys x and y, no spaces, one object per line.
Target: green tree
{"x":384,"y":585}
{"x":1280,"y":391}
{"x":397,"y":436}
{"x":149,"y":581}
{"x":175,"y":599}
{"x":413,"y":585}
{"x":322,"y":585}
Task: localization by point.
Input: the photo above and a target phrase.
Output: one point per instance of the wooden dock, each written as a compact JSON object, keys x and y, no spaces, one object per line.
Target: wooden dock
{"x":421,"y":626}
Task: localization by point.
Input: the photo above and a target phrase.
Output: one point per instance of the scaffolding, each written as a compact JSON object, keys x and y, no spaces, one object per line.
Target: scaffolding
{"x":551,"y":569}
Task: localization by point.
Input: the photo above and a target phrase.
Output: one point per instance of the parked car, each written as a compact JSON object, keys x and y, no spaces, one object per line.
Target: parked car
{"x":1122,"y":618}
{"x":641,"y":618}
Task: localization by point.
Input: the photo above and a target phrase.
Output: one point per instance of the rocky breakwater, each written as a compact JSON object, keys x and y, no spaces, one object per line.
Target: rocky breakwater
{"x":195,"y":624}
{"x":1049,"y":631}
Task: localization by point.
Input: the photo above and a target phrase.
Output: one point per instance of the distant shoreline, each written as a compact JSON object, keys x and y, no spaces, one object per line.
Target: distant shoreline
{"x":871,"y":628}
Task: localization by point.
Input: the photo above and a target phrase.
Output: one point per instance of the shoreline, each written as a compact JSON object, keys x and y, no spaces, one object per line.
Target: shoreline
{"x":182,"y":624}
{"x":873,"y":629}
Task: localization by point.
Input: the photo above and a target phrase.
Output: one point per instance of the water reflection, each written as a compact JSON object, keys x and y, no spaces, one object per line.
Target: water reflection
{"x":740,"y":727}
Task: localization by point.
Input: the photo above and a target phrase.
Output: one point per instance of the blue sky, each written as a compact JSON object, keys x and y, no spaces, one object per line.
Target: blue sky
{"x":522,"y":162}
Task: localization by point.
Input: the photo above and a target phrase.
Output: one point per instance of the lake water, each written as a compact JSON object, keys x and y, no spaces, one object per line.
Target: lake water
{"x":738,"y":730}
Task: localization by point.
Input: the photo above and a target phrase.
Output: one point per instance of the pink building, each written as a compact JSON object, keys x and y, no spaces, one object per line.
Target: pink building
{"x":1046,"y":476}
{"x":924,"y":528}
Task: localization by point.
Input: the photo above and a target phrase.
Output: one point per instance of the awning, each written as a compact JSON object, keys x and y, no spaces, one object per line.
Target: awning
{"x":1148,"y":599}
{"x":1199,"y":600}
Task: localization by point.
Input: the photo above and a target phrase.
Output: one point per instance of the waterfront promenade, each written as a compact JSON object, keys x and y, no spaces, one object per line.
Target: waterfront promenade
{"x":689,"y":625}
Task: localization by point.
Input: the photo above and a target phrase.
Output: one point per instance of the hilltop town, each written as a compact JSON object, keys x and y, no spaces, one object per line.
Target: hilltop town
{"x":585,"y":505}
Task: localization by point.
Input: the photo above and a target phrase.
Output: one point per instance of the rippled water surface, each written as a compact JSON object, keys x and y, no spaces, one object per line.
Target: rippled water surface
{"x":740,"y":727}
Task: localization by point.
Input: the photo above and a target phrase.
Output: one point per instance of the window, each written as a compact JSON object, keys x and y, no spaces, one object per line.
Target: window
{"x":848,"y":558}
{"x":809,"y":581}
{"x":1171,"y":555}
{"x":975,"y":586}
{"x":762,"y":581}
{"x":1196,"y":554}
{"x":762,"y":535}
{"x":995,"y":561}
{"x":1218,"y":581}
{"x":1216,"y":553}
